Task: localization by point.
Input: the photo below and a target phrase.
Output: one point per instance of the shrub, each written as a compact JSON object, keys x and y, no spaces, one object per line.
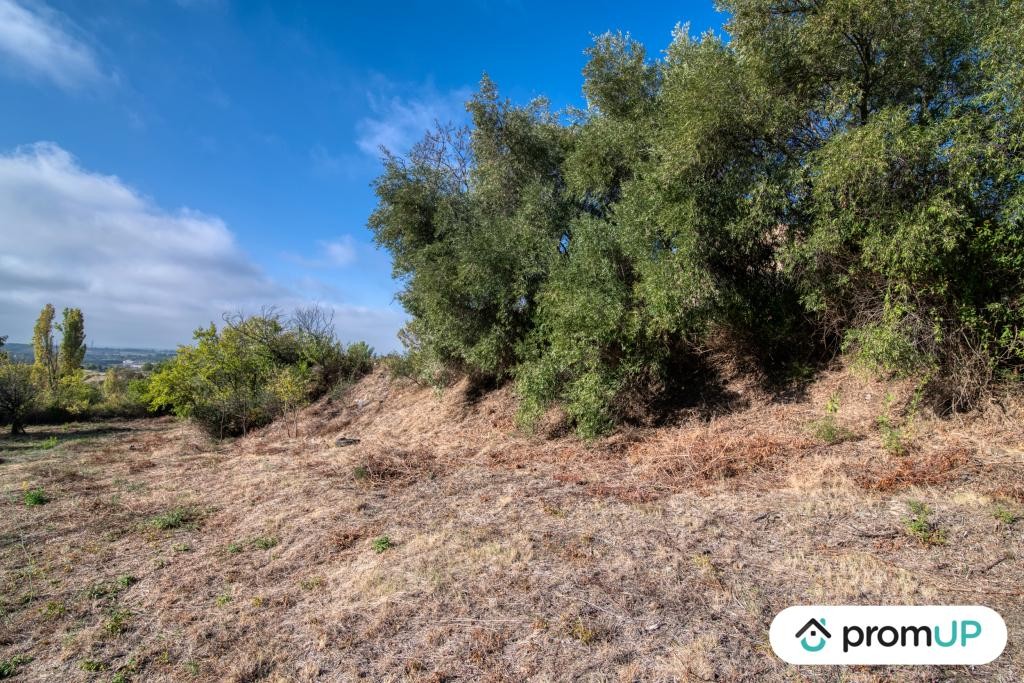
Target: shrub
{"x":254,"y":369}
{"x":74,"y":394}
{"x":18,"y":394}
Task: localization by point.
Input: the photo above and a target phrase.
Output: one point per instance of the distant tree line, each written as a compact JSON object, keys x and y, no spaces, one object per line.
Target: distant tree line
{"x":246,"y":374}
{"x":837,"y":176}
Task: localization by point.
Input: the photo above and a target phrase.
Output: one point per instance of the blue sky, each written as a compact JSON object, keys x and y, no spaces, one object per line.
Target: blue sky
{"x":163,"y":160}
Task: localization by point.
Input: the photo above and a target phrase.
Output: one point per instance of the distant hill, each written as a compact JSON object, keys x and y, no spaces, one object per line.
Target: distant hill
{"x":99,"y":358}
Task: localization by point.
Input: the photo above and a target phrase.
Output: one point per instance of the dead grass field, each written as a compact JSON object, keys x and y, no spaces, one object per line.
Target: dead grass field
{"x":447,"y":546}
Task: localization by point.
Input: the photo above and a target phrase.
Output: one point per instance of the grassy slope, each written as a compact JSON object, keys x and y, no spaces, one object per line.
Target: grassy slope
{"x":654,"y":554}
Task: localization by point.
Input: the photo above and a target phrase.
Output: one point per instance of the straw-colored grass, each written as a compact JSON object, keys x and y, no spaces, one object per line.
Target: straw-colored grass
{"x":653,"y":554}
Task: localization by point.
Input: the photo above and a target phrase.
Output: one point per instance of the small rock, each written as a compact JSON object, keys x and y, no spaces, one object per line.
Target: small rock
{"x":346,"y":441}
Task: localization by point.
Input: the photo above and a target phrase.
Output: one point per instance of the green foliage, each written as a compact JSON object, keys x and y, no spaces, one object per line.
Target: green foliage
{"x":894,"y":437}
{"x":74,"y":394}
{"x":831,"y":432}
{"x":265,"y":542}
{"x":836,"y":171}
{"x":116,"y":622}
{"x":72,"y":343}
{"x":48,"y":443}
{"x":255,"y":368}
{"x":127,"y":580}
{"x":122,"y":394}
{"x":175,"y":518}
{"x":9,"y":665}
{"x":400,"y":365}
{"x":92,"y":665}
{"x":1005,"y":515}
{"x":382,"y":544}
{"x":54,"y":609}
{"x":18,"y":394}
{"x":44,"y":351}
{"x":34,"y":497}
{"x":921,"y":527}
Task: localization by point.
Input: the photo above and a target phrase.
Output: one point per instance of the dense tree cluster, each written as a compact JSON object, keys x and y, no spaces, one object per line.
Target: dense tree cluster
{"x":837,"y":174}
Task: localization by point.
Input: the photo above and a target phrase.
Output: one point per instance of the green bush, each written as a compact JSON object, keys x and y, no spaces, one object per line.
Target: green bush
{"x":255,"y":369}
{"x":18,"y":394}
{"x":836,"y":175}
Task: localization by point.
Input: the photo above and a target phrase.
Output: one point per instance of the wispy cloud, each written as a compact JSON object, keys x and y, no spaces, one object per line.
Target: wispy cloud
{"x":340,"y":252}
{"x":400,"y":115}
{"x":330,"y":254}
{"x":143,"y":275}
{"x":38,"y":42}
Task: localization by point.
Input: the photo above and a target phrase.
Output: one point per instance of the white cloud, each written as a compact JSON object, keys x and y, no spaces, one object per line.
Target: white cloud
{"x":36,"y":41}
{"x":340,"y":252}
{"x":332,"y":254}
{"x":142,"y":275}
{"x":397,"y":121}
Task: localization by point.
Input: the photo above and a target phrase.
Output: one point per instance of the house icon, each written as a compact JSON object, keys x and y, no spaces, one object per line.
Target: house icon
{"x":817,"y":630}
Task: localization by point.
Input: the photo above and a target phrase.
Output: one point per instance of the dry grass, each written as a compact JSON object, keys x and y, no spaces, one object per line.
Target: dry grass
{"x":654,"y":554}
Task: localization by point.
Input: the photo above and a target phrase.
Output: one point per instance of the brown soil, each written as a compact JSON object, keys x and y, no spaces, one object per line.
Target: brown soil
{"x":653,"y":554}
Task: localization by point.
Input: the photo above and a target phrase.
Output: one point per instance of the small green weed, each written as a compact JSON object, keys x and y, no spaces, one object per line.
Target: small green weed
{"x":832,"y":404}
{"x":382,"y":544}
{"x":222,"y":599}
{"x":1005,"y":515}
{"x":583,"y":632}
{"x":235,"y":547}
{"x":312,"y":583}
{"x":181,"y":547}
{"x":117,"y":622}
{"x":175,"y":518}
{"x":92,"y":665}
{"x":828,"y":430}
{"x":54,"y":609}
{"x":47,"y":444}
{"x":921,"y":527}
{"x":361,"y":473}
{"x":892,"y":437}
{"x":9,"y":666}
{"x":126,"y":580}
{"x":265,"y":542}
{"x":101,"y":589}
{"x":35,"y":497}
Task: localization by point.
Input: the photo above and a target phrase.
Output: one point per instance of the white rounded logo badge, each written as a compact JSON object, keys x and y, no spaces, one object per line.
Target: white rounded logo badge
{"x":849,"y":634}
